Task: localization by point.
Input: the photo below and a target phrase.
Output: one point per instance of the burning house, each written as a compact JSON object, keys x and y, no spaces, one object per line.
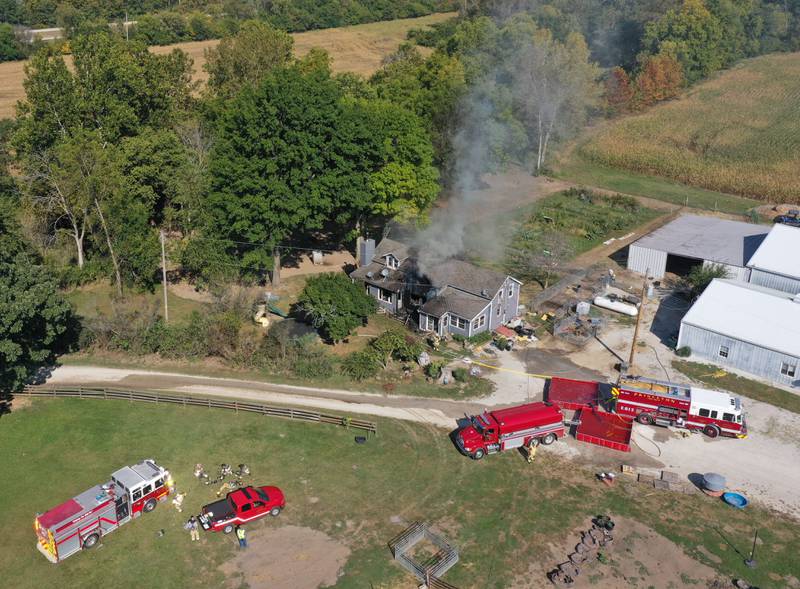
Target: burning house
{"x":449,"y":297}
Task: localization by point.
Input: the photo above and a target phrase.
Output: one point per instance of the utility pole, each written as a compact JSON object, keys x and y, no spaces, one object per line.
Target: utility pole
{"x":638,"y":321}
{"x":164,"y":275}
{"x":276,"y":268}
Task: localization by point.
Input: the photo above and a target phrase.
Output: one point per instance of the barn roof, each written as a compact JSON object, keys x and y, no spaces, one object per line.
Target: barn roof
{"x":761,"y":316}
{"x":707,"y":238}
{"x":780,"y":252}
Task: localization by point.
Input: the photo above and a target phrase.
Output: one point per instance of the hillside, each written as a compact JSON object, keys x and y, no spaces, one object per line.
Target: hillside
{"x":737,"y":133}
{"x":359,"y":48}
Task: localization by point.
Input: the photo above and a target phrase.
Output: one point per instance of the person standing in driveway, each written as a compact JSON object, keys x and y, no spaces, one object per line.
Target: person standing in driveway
{"x":240,"y":534}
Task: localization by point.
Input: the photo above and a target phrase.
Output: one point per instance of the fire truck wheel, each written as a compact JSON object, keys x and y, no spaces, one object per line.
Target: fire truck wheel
{"x":549,"y":439}
{"x":645,"y":419}
{"x":478,"y":454}
{"x":91,"y":540}
{"x":275,"y":511}
{"x":227,"y":529}
{"x":712,"y":431}
{"x":149,"y":505}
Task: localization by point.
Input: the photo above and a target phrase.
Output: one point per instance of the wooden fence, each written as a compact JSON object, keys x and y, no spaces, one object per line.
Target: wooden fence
{"x":81,"y":392}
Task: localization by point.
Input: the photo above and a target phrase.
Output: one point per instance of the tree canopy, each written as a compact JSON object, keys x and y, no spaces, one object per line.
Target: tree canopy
{"x":335,"y":305}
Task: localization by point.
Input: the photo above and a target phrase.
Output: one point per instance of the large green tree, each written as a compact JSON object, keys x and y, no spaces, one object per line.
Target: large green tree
{"x":246,"y":58}
{"x":34,"y":317}
{"x":335,"y":305}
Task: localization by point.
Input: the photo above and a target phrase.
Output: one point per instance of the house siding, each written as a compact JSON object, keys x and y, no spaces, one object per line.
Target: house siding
{"x":452,"y":329}
{"x":476,"y":330}
{"x":744,"y":356}
{"x":776,"y":281}
{"x":374,"y":292}
{"x":642,"y":259}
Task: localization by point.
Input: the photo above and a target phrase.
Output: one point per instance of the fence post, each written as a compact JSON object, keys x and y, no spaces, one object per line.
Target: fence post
{"x":236,"y":406}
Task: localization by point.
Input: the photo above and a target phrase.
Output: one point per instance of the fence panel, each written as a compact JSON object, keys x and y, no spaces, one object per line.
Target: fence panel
{"x":197,"y":401}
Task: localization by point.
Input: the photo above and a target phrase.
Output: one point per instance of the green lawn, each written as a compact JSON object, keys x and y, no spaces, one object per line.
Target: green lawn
{"x":499,"y":512}
{"x":705,"y":373}
{"x":99,"y":298}
{"x":582,"y":171}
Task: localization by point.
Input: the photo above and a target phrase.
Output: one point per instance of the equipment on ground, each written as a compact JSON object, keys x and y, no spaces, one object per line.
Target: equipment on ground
{"x":505,"y":429}
{"x":791,"y":218}
{"x":82,"y":521}
{"x":242,"y":506}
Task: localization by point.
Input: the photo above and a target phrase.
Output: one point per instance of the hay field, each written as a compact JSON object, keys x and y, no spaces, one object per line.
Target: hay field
{"x":359,"y":48}
{"x":737,"y":133}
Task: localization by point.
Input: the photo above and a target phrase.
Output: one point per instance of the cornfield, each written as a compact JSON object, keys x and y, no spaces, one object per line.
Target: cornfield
{"x":738,"y":133}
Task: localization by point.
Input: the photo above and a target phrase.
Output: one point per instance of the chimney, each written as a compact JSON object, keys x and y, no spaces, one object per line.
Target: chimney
{"x":367,"y":252}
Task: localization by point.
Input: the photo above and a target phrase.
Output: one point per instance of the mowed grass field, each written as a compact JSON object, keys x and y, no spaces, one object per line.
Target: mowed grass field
{"x":360,"y":49}
{"x":737,"y":133}
{"x":502,"y":513}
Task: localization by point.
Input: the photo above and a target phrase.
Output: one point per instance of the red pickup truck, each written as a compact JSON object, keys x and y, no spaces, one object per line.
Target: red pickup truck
{"x":242,"y":506}
{"x":505,"y":429}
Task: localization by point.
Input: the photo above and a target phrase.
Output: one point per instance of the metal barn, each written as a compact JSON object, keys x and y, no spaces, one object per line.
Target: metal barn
{"x":776,"y":264}
{"x":746,"y":327}
{"x":692,"y":240}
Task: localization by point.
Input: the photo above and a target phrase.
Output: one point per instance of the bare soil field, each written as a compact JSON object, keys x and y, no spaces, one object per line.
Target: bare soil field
{"x":638,"y":557}
{"x":359,"y":49}
{"x":290,"y":557}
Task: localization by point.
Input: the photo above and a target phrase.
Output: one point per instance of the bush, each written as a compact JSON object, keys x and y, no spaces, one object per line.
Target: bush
{"x":460,"y":374}
{"x":361,"y":365}
{"x":434,"y":369}
{"x":683,"y":352}
{"x":480,"y":338}
{"x":335,"y":305}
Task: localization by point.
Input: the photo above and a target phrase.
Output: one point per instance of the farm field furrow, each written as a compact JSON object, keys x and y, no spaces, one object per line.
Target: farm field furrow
{"x":737,"y":133}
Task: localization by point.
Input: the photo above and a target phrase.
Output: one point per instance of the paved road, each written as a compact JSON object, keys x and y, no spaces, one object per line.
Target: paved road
{"x":764,"y":466}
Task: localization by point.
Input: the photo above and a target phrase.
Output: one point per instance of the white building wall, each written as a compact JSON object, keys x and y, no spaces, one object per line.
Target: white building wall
{"x":776,"y":281}
{"x":734,"y":272}
{"x":642,"y":260}
{"x":757,"y":360}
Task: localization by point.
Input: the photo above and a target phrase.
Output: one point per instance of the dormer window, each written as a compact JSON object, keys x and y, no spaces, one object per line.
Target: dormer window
{"x":392,"y":262}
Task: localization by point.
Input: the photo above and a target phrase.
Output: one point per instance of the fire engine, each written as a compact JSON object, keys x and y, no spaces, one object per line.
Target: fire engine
{"x":504,"y":429}
{"x":664,"y":403}
{"x":80,"y":522}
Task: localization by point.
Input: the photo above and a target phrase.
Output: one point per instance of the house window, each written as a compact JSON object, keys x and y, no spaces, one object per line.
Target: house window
{"x":479,"y":322}
{"x":428,"y":323}
{"x":723,"y":351}
{"x":498,"y":310}
{"x":788,"y":369}
{"x":385,"y":296}
{"x":456,"y":321}
{"x":392,"y":262}
{"x":511,"y":289}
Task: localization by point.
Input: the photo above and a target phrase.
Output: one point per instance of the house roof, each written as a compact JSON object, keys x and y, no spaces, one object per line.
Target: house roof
{"x":389,"y":246}
{"x":707,"y":238}
{"x":393,"y":281}
{"x":458,"y":302}
{"x":761,"y":316}
{"x":780,"y":252}
{"x":467,"y":277}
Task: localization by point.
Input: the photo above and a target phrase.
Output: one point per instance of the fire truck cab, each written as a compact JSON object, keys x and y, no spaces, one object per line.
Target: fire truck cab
{"x":654,"y":402}
{"x":80,"y":522}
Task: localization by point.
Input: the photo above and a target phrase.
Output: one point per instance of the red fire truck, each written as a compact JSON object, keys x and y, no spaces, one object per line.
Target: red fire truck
{"x":664,"y":403}
{"x":504,"y":429}
{"x":80,"y":522}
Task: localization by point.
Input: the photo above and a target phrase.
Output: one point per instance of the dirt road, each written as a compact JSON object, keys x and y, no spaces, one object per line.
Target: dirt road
{"x":764,"y":466}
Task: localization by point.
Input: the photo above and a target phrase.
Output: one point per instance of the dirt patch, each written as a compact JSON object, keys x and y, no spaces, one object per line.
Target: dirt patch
{"x":639,"y":557}
{"x":290,"y":557}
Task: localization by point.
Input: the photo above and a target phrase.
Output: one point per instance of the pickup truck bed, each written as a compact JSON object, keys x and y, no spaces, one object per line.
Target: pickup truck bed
{"x":221,"y":509}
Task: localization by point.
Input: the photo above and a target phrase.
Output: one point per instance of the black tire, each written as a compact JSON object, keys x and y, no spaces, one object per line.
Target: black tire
{"x":275,"y":511}
{"x":149,"y":505}
{"x":645,"y":419}
{"x":227,"y":529}
{"x":479,"y":453}
{"x":712,"y":431}
{"x":549,"y":439}
{"x":90,"y":541}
